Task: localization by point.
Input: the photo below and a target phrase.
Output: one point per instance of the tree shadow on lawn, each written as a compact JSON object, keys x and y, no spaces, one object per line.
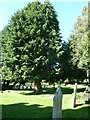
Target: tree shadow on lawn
{"x":81,"y":89}
{"x":65,"y":90}
{"x":45,"y":91}
{"x":82,"y":113}
{"x":50,"y":91}
{"x":24,"y":111}
{"x":68,"y":90}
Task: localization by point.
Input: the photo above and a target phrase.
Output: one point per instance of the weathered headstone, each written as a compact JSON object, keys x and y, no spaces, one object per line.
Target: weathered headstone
{"x":57,"y":104}
{"x":17,"y":87}
{"x":26,"y":87}
{"x":74,"y":95}
{"x":22,"y":87}
{"x":88,"y":88}
{"x":30,"y":87}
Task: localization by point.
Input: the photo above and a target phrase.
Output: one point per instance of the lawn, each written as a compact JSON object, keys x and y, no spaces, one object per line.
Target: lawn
{"x":25,"y":104}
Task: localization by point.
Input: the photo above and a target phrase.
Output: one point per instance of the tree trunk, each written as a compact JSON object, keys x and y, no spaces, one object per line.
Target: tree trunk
{"x":37,"y":87}
{"x":88,"y":80}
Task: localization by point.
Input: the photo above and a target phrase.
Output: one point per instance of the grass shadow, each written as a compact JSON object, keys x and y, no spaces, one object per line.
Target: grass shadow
{"x":87,"y":101}
{"x":81,"y":89}
{"x":45,"y":91}
{"x":25,"y":111}
{"x":78,"y":104}
{"x":51,"y":90}
{"x":81,"y":113}
{"x":67,"y":90}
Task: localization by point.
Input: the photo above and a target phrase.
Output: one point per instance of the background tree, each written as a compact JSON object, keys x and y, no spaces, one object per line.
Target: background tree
{"x":70,"y":73}
{"x":35,"y":44}
{"x":6,"y":58}
{"x":79,"y":42}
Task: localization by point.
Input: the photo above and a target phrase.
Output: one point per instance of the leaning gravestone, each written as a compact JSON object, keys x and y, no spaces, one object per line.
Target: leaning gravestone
{"x":74,"y":96}
{"x":26,"y":87}
{"x":22,"y":88}
{"x":88,"y":88}
{"x":57,"y":104}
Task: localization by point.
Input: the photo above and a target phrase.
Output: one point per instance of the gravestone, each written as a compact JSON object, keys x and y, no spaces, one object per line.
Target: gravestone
{"x":74,"y":95}
{"x":30,"y":87}
{"x":26,"y":87}
{"x":88,"y":88}
{"x":22,"y":87}
{"x":57,"y":104}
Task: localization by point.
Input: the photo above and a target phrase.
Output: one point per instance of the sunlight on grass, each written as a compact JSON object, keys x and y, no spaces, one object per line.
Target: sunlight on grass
{"x":29,"y":105}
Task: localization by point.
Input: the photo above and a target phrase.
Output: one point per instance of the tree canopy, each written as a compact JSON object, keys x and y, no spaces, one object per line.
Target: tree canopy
{"x":79,"y":41}
{"x":31,"y":43}
{"x":32,"y":46}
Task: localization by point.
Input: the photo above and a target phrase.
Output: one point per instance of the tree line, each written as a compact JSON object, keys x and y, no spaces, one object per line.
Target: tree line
{"x":33,"y":49}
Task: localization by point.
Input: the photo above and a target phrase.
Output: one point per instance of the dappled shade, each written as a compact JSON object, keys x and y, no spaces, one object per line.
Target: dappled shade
{"x":83,"y":112}
{"x":24,"y":110}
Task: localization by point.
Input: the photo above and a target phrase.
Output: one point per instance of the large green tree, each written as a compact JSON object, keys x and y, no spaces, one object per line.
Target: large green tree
{"x":7,"y":58}
{"x":35,"y":44}
{"x":80,"y":41}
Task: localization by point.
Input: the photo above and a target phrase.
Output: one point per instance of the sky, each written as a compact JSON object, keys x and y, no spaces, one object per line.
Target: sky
{"x":67,"y":11}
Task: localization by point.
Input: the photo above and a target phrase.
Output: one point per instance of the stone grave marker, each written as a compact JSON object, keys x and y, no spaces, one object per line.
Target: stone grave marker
{"x":22,"y":87}
{"x":57,"y":104}
{"x":26,"y":87}
{"x":30,"y":87}
{"x":88,"y":88}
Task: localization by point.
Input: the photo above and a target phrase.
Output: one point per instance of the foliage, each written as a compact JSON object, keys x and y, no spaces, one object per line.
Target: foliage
{"x":69,"y":72}
{"x":6,"y":54}
{"x":79,"y":41}
{"x":32,"y":46}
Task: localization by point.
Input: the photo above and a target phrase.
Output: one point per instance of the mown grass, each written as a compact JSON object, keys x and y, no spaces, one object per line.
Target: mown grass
{"x":25,"y":104}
